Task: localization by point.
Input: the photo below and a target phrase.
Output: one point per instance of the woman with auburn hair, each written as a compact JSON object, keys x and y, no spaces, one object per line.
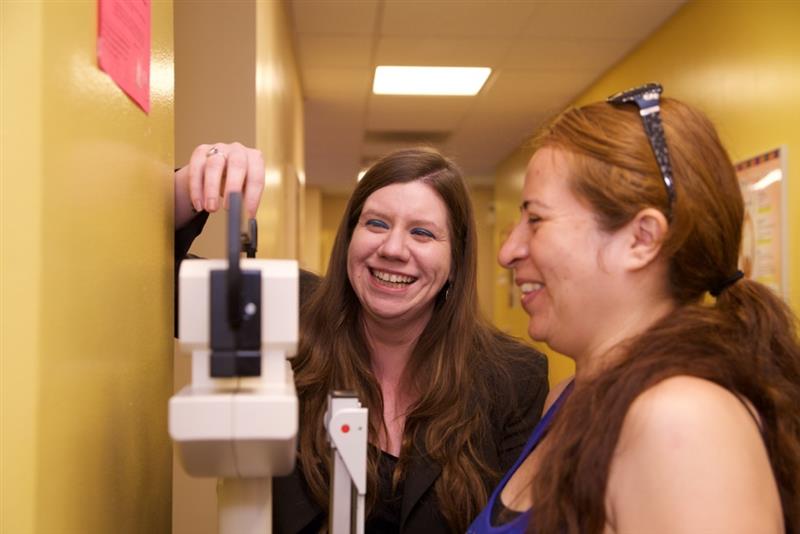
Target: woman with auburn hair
{"x":684,"y":412}
{"x":451,"y":400}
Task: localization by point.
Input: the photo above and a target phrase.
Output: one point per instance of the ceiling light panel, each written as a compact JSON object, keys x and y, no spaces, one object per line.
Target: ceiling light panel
{"x":443,"y":81}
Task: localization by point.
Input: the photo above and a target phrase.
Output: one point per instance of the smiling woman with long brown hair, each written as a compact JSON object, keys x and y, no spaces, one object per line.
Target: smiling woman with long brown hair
{"x":396,"y":320}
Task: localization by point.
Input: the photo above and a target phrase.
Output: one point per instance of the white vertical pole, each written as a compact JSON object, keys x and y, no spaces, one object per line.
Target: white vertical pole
{"x":245,"y":506}
{"x":340,"y":519}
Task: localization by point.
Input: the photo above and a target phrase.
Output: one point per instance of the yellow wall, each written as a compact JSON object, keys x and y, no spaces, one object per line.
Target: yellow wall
{"x":87,"y":216}
{"x":737,"y":61}
{"x":279,"y":131}
{"x":483,"y":203}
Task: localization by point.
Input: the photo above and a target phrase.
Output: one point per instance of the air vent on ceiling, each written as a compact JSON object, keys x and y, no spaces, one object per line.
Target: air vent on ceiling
{"x":406,"y":137}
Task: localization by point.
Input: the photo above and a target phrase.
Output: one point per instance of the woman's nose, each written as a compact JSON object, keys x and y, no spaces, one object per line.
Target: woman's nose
{"x":394,"y":245}
{"x":514,"y":248}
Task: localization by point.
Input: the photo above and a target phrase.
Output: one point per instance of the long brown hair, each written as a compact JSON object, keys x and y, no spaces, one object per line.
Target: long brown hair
{"x":450,"y":414}
{"x":746,"y":340}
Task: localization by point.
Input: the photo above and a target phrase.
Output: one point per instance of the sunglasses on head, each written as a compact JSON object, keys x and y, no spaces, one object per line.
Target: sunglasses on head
{"x":647,"y":98}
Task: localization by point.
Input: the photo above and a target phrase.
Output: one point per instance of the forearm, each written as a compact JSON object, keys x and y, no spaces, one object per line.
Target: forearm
{"x":184,"y":210}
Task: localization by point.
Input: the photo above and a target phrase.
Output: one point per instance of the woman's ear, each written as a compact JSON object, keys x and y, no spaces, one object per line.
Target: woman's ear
{"x":645,"y":234}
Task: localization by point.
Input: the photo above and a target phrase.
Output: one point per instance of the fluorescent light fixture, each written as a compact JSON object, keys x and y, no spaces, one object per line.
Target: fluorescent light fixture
{"x":460,"y":81}
{"x":361,"y":174}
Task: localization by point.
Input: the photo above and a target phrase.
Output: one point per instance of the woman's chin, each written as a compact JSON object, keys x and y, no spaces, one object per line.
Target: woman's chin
{"x":535,"y":333}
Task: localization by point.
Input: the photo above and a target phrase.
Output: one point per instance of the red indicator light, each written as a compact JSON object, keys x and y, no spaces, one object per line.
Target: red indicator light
{"x":345,"y":429}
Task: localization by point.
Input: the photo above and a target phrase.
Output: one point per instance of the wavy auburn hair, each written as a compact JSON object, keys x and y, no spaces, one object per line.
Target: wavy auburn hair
{"x":746,"y":340}
{"x":450,"y":414}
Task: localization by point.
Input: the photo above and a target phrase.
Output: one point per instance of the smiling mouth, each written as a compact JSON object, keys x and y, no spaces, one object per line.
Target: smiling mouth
{"x":392,"y":280}
{"x":530,"y":287}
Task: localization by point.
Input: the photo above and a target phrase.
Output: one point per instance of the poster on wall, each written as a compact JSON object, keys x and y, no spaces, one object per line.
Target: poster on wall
{"x":123,"y":46}
{"x":763,"y":255}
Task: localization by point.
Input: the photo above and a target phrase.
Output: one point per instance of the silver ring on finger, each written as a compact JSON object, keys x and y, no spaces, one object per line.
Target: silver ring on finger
{"x":214,"y":150}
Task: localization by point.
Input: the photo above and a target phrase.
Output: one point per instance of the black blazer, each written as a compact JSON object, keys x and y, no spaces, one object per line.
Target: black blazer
{"x":516,"y":408}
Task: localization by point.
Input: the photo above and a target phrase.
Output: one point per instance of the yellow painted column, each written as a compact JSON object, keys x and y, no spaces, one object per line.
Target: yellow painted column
{"x":87,"y":216}
{"x":20,"y":257}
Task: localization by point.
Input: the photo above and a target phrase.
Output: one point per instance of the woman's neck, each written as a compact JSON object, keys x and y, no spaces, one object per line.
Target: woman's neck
{"x":390,"y":345}
{"x":609,"y":347}
{"x":390,"y":349}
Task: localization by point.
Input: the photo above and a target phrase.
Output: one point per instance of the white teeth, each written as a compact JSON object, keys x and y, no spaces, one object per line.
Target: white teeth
{"x":393,"y":278}
{"x":527,"y":287}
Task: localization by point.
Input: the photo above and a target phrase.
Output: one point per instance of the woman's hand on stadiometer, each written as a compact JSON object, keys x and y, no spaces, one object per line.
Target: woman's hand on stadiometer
{"x":213,"y":172}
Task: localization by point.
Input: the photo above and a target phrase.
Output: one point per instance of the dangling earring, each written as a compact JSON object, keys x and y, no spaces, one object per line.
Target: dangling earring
{"x":447,"y":291}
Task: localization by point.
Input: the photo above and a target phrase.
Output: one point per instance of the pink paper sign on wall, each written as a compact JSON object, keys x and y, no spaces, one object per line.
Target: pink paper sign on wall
{"x":123,"y":46}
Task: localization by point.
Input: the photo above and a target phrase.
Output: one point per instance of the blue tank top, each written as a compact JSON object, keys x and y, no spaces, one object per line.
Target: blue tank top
{"x":483,"y":523}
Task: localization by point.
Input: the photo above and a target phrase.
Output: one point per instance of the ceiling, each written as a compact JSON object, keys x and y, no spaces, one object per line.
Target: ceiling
{"x":543,"y":55}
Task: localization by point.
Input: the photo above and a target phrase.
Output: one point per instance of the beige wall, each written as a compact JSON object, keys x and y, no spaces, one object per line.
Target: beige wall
{"x":236,"y":80}
{"x":311,"y":222}
{"x":215,"y":99}
{"x":87,"y":216}
{"x":737,"y":61}
{"x":333,"y":206}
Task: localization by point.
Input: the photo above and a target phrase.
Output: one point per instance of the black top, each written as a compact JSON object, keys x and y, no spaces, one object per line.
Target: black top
{"x":184,"y":237}
{"x":385,"y":516}
{"x":515,"y":409}
{"x":501,"y":514}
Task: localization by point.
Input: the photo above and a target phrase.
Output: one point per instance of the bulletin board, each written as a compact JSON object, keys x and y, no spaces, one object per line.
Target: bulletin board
{"x":763,"y":256}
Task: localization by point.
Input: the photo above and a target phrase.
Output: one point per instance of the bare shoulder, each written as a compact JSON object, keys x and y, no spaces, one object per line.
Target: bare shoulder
{"x":682,"y":409}
{"x":690,"y":458}
{"x":677,"y":402}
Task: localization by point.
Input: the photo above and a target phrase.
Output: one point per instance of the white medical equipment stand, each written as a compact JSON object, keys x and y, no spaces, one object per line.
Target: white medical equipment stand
{"x":346,"y":422}
{"x":237,"y":420}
